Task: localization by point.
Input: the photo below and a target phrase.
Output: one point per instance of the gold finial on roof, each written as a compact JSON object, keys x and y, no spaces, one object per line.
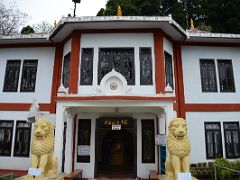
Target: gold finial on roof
{"x":119,"y":11}
{"x":191,"y":24}
{"x":55,"y":23}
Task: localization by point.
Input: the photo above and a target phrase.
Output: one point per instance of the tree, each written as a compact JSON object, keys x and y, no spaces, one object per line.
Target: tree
{"x":42,"y":27}
{"x":11,"y":19}
{"x":27,"y":30}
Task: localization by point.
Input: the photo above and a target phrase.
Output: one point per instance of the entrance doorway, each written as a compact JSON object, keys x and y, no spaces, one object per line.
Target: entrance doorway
{"x":115,"y":148}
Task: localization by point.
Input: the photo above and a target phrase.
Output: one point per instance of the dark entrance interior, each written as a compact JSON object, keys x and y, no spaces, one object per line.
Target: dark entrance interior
{"x":115,"y":149}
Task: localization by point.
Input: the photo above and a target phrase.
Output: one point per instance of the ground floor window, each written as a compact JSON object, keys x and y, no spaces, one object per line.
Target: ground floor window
{"x":148,"y":145}
{"x":84,"y":136}
{"x":232,"y":139}
{"x":6,"y":132}
{"x":213,"y":140}
{"x":22,"y":139}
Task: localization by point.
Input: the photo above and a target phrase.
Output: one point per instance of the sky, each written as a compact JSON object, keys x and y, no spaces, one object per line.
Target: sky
{"x":51,"y":10}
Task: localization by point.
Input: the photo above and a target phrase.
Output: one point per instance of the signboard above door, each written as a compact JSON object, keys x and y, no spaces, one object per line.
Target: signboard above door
{"x":115,"y":123}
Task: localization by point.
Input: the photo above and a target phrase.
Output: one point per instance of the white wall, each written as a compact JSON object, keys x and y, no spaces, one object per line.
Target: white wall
{"x":43,"y":86}
{"x":196,"y":132}
{"x":192,"y":79}
{"x":119,"y":40}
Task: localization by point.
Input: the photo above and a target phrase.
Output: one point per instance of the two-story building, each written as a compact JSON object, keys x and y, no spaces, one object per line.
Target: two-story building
{"x":112,"y":84}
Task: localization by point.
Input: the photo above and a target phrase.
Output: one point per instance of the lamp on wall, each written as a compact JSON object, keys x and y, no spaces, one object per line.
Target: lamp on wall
{"x":75,"y":2}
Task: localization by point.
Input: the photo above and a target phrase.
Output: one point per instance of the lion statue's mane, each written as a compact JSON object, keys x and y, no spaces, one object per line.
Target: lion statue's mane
{"x":179,"y":148}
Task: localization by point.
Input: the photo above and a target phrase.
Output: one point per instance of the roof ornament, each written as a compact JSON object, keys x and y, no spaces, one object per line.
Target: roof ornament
{"x":119,"y":11}
{"x":191,"y":24}
{"x":55,"y":23}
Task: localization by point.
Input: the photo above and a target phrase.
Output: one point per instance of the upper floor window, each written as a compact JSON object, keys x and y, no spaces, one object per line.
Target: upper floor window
{"x":22,"y":139}
{"x":12,"y":76}
{"x":232,"y":139}
{"x":66,"y":70}
{"x":120,"y":59}
{"x":225,"y":75}
{"x":6,"y":132}
{"x":226,"y":78}
{"x":86,"y":66}
{"x":213,"y":140}
{"x":168,"y":70}
{"x":208,"y":75}
{"x":145,"y":66}
{"x":29,"y":73}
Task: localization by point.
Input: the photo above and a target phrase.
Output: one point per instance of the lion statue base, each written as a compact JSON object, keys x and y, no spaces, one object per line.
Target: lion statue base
{"x":178,"y":145}
{"x":42,"y":150}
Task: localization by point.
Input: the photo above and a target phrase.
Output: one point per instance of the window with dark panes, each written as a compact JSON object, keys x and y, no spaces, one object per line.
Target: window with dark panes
{"x":66,"y":70}
{"x":232,"y":139}
{"x":168,"y":70}
{"x":22,"y":139}
{"x":86,"y":77}
{"x":213,"y":139}
{"x":29,"y":73}
{"x":145,"y":66}
{"x":148,"y":143}
{"x":6,"y":133}
{"x":119,"y":59}
{"x":226,"y":77}
{"x":84,"y":136}
{"x":12,"y":76}
{"x":208,"y":75}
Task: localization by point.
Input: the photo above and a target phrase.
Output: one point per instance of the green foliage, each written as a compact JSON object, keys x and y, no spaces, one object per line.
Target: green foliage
{"x":224,"y":173}
{"x":27,"y":30}
{"x":208,"y":15}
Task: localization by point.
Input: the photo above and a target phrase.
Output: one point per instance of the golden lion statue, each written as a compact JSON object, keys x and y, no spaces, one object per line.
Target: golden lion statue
{"x":179,"y":148}
{"x":42,"y":150}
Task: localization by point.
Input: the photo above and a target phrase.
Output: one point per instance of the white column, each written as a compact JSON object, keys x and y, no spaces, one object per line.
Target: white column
{"x":58,"y":147}
{"x":162,"y":121}
{"x":69,"y":142}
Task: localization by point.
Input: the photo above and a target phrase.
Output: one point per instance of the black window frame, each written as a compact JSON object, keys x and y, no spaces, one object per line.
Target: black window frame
{"x":109,"y":64}
{"x":148,"y":125}
{"x":204,"y":79}
{"x":168,"y":61}
{"x":29,"y":78}
{"x":11,"y":137}
{"x":16,"y":78}
{"x":142,"y":57}
{"x":81,"y":128}
{"x":214,"y":156}
{"x":86,"y":77}
{"x":220,"y":76}
{"x":232,"y":144}
{"x":29,"y":129}
{"x":66,"y":70}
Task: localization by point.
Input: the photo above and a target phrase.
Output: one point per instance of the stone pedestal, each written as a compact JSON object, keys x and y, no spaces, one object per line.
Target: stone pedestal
{"x":163,"y":177}
{"x":57,"y":177}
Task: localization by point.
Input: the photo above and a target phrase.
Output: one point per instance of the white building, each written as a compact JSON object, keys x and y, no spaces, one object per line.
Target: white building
{"x":96,"y":75}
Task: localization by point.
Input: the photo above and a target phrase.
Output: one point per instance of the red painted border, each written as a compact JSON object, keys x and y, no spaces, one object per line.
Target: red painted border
{"x":23,"y":106}
{"x":211,"y":107}
{"x":74,"y":63}
{"x":146,"y":98}
{"x":14,"y":171}
{"x":56,"y":75}
{"x":159,"y":62}
{"x":178,"y":71}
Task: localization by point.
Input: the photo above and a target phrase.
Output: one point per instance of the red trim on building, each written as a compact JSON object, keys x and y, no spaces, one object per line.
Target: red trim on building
{"x":56,"y":75}
{"x":23,"y":106}
{"x":211,"y":107}
{"x":146,"y":98}
{"x":15,"y":172}
{"x":178,"y":71}
{"x":159,"y":62}
{"x":74,"y":63}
